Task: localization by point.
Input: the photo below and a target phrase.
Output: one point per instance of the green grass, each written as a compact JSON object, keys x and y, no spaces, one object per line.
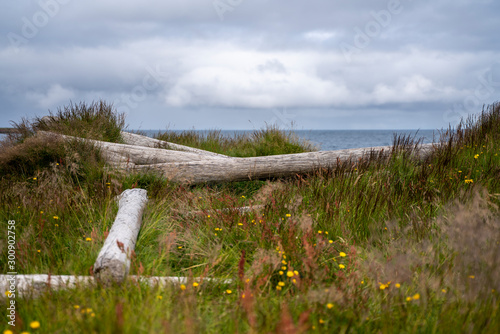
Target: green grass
{"x":269,"y":141}
{"x":396,"y":245}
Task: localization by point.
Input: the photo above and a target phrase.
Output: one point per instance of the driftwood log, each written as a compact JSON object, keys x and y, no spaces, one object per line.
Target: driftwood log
{"x":239,"y":169}
{"x":198,"y":166}
{"x":33,"y":285}
{"x":138,"y":140}
{"x":113,"y":262}
{"x":128,"y":156}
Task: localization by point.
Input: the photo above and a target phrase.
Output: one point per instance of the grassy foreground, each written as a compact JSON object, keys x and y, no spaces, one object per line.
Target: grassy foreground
{"x":393,"y":246}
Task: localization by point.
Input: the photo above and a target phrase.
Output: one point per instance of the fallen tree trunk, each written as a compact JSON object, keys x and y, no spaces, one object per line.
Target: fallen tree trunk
{"x":238,"y":169}
{"x":113,"y":262}
{"x":123,"y":154}
{"x":194,"y":168}
{"x":33,"y":285}
{"x":138,"y":140}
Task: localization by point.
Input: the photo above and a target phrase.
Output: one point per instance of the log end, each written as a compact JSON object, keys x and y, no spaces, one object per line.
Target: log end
{"x":112,"y":272}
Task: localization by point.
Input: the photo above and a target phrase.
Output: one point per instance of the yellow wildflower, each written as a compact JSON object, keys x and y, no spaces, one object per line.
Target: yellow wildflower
{"x":329,"y":305}
{"x":35,"y":324}
{"x":88,"y":239}
{"x":195,"y":284}
{"x":281,"y":272}
{"x":229,"y":292}
{"x":342,"y":254}
{"x":183,"y":287}
{"x":416,"y":296}
{"x":398,"y":285}
{"x":281,"y":283}
{"x":290,"y":273}
{"x":341,"y":266}
{"x":159,"y":297}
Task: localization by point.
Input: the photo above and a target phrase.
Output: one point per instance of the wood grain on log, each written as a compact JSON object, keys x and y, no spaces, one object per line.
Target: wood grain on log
{"x":195,"y":168}
{"x":136,"y":155}
{"x":238,"y":169}
{"x":138,"y":140}
{"x":113,"y":262}
{"x":33,"y":285}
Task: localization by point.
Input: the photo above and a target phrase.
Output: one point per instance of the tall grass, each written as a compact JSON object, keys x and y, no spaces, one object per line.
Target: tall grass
{"x":97,"y":120}
{"x":378,"y":245}
{"x":269,"y":141}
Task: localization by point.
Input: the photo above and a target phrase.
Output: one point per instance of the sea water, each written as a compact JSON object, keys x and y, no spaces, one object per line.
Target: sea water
{"x":330,"y":140}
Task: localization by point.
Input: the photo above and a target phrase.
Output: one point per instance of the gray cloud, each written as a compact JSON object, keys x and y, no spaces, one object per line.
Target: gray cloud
{"x":397,"y":63}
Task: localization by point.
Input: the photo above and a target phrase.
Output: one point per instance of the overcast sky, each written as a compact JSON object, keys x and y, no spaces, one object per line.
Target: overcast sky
{"x":239,"y":64}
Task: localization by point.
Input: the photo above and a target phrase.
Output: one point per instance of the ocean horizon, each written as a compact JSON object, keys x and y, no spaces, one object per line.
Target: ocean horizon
{"x":330,"y":140}
{"x":327,"y":140}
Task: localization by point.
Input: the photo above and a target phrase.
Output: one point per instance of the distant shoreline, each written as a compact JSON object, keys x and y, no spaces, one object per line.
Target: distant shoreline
{"x":7,"y":130}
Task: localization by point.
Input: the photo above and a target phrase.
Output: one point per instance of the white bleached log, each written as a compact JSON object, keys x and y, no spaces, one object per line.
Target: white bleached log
{"x":136,"y":155}
{"x":33,"y":285}
{"x":195,"y":168}
{"x":239,"y":169}
{"x":138,"y":140}
{"x":113,"y":262}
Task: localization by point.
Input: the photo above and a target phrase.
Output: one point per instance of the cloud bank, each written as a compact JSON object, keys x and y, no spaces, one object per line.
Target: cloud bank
{"x":234,"y":64}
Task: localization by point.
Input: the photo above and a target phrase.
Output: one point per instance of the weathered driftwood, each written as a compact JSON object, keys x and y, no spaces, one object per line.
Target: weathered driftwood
{"x":113,"y":262}
{"x":33,"y":285}
{"x":193,"y":168}
{"x":131,"y":155}
{"x":138,"y":140}
{"x":237,"y":169}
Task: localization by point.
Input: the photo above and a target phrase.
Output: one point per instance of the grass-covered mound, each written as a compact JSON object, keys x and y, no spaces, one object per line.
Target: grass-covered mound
{"x":269,"y":141}
{"x":398,"y":245}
